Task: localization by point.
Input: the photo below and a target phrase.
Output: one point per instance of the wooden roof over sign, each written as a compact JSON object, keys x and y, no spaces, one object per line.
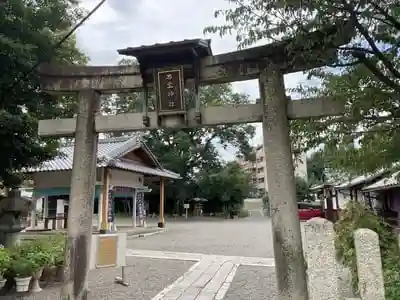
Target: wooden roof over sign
{"x":175,"y":52}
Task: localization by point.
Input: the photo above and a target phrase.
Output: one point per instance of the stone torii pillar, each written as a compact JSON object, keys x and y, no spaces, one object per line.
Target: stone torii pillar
{"x":88,"y":83}
{"x":288,"y":252}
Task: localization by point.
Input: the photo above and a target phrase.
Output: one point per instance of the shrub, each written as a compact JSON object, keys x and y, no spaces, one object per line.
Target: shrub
{"x":5,"y":260}
{"x":244,"y":213}
{"x":355,"y":216}
{"x":22,"y":267}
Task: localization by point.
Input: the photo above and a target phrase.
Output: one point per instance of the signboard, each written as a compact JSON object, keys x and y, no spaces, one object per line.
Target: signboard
{"x":107,"y":252}
{"x":111,"y":205}
{"x":170,"y":90}
{"x":186,"y":205}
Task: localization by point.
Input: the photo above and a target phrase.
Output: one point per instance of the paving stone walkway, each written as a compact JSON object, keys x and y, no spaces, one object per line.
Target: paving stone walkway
{"x":208,"y":279}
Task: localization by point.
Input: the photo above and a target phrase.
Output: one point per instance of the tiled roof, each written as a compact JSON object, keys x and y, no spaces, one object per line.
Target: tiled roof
{"x":359,"y":180}
{"x":384,"y":183}
{"x":109,"y":153}
{"x":204,"y":43}
{"x":127,"y":165}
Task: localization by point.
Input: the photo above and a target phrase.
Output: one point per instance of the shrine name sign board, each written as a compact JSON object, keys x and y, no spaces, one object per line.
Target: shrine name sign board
{"x":108,"y":250}
{"x":170,"y":90}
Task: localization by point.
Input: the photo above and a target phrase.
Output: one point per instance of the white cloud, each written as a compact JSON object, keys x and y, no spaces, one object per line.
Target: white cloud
{"x":123,"y":23}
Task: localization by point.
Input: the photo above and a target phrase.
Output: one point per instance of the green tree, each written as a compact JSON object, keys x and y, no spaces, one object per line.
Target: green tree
{"x":316,"y":168}
{"x":302,"y":189}
{"x":366,"y":138}
{"x":366,"y":79}
{"x":224,"y":187}
{"x":28,"y":31}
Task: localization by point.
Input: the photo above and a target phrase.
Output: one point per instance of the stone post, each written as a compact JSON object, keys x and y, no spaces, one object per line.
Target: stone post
{"x":83,"y":179}
{"x":289,"y":259}
{"x":323,"y":277}
{"x":369,"y":265}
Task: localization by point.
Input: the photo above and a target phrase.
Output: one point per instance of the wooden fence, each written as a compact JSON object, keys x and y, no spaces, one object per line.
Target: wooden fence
{"x":323,"y":268}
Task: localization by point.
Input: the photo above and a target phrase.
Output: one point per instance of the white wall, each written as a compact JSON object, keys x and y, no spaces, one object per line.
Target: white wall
{"x":126,"y":179}
{"x":52,"y":179}
{"x":63,"y":179}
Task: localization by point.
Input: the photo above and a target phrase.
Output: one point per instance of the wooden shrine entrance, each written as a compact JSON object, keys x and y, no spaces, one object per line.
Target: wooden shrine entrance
{"x":168,"y":71}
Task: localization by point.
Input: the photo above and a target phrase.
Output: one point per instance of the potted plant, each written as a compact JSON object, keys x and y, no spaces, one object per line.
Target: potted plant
{"x":54,"y":269}
{"x":5,"y":260}
{"x":22,"y":269}
{"x":40,"y":259}
{"x":40,"y":254}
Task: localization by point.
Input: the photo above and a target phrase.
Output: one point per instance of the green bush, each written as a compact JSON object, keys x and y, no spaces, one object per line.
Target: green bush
{"x":355,"y":216}
{"x":5,"y":260}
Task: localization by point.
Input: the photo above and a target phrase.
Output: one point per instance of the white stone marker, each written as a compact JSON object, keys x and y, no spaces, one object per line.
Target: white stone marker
{"x":369,"y":265}
{"x":323,"y":279}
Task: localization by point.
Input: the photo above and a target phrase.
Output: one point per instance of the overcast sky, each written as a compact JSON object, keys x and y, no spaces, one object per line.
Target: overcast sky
{"x":123,"y":23}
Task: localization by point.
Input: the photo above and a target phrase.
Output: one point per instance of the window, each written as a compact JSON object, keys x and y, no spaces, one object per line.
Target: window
{"x":260,"y":170}
{"x":261,"y":180}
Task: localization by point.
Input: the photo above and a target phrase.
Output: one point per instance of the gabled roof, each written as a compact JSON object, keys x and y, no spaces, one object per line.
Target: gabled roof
{"x":109,"y":153}
{"x":363,"y":179}
{"x":388,"y":182}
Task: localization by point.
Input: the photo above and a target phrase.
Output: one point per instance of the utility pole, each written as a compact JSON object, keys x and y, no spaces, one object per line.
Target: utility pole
{"x":80,"y":215}
{"x":289,"y":259}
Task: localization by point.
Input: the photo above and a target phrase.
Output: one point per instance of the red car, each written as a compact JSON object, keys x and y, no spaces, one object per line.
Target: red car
{"x":308,"y":211}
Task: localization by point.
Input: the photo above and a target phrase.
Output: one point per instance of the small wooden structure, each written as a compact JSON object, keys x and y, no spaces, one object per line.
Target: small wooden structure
{"x":197,"y":206}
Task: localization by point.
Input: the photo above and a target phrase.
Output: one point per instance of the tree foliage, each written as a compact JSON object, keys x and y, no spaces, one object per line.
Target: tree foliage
{"x":28,"y":31}
{"x":302,"y":189}
{"x":225,"y":187}
{"x":364,"y":77}
{"x":316,"y":168}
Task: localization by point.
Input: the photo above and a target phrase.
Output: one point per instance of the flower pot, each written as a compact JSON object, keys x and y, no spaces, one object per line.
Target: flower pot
{"x":2,"y":283}
{"x":22,"y":284}
{"x":35,"y":288}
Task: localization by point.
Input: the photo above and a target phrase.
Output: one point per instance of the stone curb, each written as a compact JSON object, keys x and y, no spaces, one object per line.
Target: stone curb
{"x":140,"y":235}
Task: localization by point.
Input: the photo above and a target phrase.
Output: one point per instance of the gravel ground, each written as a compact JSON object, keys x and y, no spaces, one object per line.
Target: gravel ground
{"x":253,"y":283}
{"x":244,"y":237}
{"x":147,"y":277}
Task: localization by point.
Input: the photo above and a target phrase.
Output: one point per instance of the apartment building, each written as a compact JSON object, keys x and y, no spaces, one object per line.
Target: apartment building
{"x":258,"y":170}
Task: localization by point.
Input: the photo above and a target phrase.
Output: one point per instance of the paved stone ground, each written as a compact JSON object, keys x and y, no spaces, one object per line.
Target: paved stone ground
{"x":252,"y":283}
{"x":206,"y":259}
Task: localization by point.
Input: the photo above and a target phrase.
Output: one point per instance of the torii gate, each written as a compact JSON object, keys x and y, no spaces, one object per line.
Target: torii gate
{"x":168,"y":69}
